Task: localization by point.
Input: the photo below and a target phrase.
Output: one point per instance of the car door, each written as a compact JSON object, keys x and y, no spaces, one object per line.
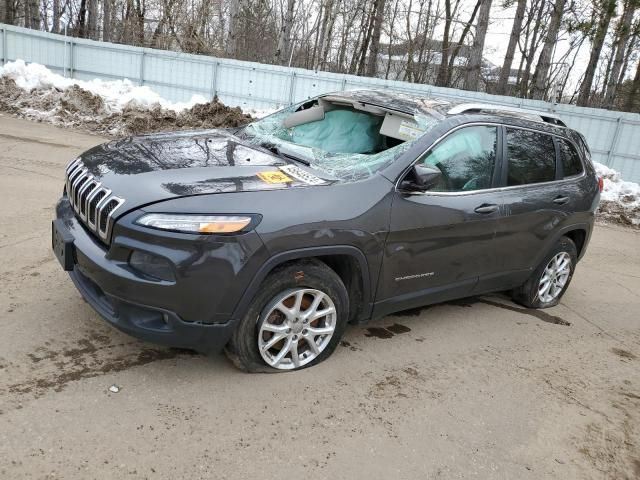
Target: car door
{"x":533,"y":201}
{"x":440,"y":241}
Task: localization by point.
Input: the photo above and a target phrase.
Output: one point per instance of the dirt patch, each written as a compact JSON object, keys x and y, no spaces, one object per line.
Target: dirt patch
{"x":386,"y":332}
{"x":624,"y":353}
{"x":539,"y":314}
{"x":78,"y":108}
{"x":89,"y":357}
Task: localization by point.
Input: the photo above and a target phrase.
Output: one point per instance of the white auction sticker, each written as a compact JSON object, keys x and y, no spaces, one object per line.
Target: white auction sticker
{"x":302,"y":175}
{"x":410,"y":130}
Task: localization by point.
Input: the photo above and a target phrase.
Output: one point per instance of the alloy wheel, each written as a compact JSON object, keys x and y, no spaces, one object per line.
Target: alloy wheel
{"x":295,"y":328}
{"x":554,"y":277}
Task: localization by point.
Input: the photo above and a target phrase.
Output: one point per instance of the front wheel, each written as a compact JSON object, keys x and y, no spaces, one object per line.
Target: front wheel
{"x":547,"y":284}
{"x":295,"y":321}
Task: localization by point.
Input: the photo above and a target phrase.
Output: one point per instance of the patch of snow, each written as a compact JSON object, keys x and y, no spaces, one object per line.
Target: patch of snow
{"x":116,"y":94}
{"x":619,"y":199}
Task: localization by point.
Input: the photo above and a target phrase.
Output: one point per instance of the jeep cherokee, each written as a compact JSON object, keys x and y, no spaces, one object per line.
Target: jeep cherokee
{"x":267,"y":240}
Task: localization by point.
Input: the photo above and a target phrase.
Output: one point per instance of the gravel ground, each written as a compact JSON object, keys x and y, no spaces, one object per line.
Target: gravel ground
{"x":478,"y":388}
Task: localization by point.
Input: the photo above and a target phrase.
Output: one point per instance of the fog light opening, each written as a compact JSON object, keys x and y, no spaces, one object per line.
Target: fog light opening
{"x":152,"y":266}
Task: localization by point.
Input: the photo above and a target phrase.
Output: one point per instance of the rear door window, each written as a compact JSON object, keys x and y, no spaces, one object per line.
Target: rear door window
{"x":571,"y":164}
{"x":531,"y":157}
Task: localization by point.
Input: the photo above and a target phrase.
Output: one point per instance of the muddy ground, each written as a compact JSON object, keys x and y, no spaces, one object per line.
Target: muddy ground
{"x":478,"y":388}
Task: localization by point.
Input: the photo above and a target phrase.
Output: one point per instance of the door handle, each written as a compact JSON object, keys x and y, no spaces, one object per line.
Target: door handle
{"x":560,"y":200}
{"x":486,"y":208}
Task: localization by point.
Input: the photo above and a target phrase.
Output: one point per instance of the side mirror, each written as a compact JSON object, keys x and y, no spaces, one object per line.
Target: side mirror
{"x":421,"y":178}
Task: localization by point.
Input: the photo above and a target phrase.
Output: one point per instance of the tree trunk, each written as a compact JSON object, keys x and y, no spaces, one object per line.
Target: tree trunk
{"x":4,"y":10}
{"x":92,"y":23}
{"x":140,"y":12}
{"x":372,"y":65}
{"x":391,"y":37}
{"x":106,"y":20}
{"x":232,"y":31}
{"x":531,"y":51}
{"x":505,"y":71}
{"x":624,"y":30}
{"x":284,"y":40}
{"x":474,"y":67}
{"x":463,"y":35}
{"x":55,"y":16}
{"x":443,"y":72}
{"x":319,"y":37}
{"x":32,"y":17}
{"x":366,"y":42}
{"x":82,"y":13}
{"x":627,"y":56}
{"x":325,"y":47}
{"x":539,"y":89}
{"x":634,"y":92}
{"x":609,"y":8}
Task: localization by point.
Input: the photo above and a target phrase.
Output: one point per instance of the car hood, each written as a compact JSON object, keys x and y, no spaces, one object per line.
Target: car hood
{"x":151,"y":168}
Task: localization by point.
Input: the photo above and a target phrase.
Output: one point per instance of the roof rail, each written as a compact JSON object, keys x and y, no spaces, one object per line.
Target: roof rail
{"x":487,"y":107}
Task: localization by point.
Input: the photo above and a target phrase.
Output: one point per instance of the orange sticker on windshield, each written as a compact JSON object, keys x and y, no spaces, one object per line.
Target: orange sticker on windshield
{"x":274,"y":177}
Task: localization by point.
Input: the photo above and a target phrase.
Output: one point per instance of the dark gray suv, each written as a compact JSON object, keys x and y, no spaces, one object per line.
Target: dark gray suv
{"x":268,"y":239}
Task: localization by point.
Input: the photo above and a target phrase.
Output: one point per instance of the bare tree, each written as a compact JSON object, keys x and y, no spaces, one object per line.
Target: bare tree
{"x":378,"y":18}
{"x":232,"y":31}
{"x":516,"y":29}
{"x":540,"y":76}
{"x":92,"y":22}
{"x":472,"y":78}
{"x":623,"y":34}
{"x":634,"y":92}
{"x":32,"y":13}
{"x":5,"y":6}
{"x":608,"y":9}
{"x":443,"y":71}
{"x":284,"y":40}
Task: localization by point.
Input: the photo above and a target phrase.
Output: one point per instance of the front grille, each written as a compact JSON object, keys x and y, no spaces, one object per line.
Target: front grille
{"x":93,"y":203}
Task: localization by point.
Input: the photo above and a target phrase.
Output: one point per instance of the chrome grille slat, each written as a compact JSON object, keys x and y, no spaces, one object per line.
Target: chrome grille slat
{"x":93,"y":209}
{"x":86,"y":188}
{"x":82,"y":184}
{"x":87,"y":201}
{"x":94,"y":204}
{"x":107,"y":216}
{"x":74,"y":185}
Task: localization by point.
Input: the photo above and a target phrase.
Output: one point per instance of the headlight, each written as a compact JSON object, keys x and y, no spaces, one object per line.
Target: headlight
{"x":195,"y":223}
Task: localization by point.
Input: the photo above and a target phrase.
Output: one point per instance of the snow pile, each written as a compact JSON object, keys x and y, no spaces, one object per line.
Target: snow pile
{"x":115,"y":94}
{"x":620,"y":200}
{"x":115,"y":107}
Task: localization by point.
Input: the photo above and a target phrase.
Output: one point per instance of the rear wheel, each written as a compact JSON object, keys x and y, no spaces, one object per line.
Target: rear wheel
{"x":547,"y":284}
{"x":295,"y":321}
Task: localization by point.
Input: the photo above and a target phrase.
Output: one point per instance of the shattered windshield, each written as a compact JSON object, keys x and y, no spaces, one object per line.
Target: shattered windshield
{"x":339,"y":140}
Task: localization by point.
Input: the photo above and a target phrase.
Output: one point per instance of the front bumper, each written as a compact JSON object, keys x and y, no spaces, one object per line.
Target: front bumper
{"x":152,"y":324}
{"x":195,"y":311}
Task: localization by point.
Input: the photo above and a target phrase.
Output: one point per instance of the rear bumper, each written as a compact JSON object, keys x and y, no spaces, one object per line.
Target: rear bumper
{"x":152,"y":324}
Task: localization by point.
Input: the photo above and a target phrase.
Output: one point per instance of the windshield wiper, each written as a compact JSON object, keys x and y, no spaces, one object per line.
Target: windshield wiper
{"x":281,"y":152}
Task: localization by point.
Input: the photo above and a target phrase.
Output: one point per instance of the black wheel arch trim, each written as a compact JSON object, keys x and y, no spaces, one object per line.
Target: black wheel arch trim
{"x":563,"y":233}
{"x":302,"y":253}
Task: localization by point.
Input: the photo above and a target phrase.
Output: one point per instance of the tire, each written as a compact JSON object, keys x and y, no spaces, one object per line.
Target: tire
{"x":532,"y":293}
{"x":312,"y":282}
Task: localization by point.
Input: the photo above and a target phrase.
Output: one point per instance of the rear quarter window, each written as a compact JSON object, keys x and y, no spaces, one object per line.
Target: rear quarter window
{"x":571,"y":164}
{"x":531,"y":157}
